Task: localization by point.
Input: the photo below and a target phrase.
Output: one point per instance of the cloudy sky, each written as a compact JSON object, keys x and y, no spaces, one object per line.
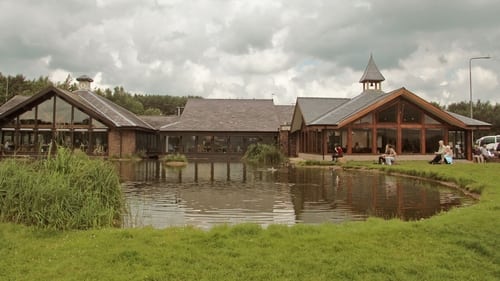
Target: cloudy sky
{"x":281,"y":49}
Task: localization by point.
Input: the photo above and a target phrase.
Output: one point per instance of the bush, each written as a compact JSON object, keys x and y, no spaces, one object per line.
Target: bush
{"x":174,"y":158}
{"x":69,"y":191}
{"x":264,"y":154}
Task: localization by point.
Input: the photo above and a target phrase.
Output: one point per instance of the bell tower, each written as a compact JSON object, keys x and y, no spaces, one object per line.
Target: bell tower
{"x":372,"y":78}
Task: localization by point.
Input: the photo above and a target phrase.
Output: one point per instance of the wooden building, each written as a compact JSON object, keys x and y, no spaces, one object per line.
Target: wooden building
{"x":215,"y":128}
{"x":369,"y":121}
{"x":79,"y":120}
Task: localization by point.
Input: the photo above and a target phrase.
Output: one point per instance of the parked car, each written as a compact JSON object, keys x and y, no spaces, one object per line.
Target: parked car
{"x":490,"y":141}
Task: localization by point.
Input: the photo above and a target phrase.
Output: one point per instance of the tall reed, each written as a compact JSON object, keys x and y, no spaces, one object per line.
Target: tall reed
{"x":68,"y":191}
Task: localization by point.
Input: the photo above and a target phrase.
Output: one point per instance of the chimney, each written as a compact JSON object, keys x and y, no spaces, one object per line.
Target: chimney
{"x":84,"y":82}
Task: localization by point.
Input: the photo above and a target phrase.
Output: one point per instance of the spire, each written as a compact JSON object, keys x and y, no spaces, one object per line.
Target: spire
{"x":372,"y":78}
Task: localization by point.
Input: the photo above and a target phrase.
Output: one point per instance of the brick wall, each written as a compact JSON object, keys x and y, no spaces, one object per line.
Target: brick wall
{"x":125,"y":138}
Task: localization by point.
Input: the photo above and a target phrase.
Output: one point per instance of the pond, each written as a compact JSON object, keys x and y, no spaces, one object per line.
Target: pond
{"x":208,"y":194}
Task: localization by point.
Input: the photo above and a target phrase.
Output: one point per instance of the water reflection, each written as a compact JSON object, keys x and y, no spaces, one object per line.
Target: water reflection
{"x":207,"y":194}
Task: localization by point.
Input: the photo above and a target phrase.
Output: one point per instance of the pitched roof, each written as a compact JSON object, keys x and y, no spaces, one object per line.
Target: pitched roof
{"x":351,"y":107}
{"x":314,"y":111}
{"x":118,"y":115}
{"x":468,"y":121}
{"x":371,"y":74}
{"x":313,"y":108}
{"x":158,"y":121}
{"x":285,"y":113}
{"x":15,"y":100}
{"x":87,"y":101}
{"x":235,"y":115}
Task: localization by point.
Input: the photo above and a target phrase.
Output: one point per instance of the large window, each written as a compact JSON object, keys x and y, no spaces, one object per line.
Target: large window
{"x":388,"y":115}
{"x":27,"y":118}
{"x":432,"y":137}
{"x":46,"y":112}
{"x":63,"y":113}
{"x":385,"y":136}
{"x":362,"y":141}
{"x":189,"y":143}
{"x":411,"y":141}
{"x":80,"y":118}
{"x":411,"y":114}
{"x":367,"y":119}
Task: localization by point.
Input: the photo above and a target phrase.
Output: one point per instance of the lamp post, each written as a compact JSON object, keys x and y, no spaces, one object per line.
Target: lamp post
{"x":470,"y":78}
{"x":470,"y":93}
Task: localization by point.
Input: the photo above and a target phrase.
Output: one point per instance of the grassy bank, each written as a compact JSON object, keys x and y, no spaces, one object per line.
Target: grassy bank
{"x":462,"y":244}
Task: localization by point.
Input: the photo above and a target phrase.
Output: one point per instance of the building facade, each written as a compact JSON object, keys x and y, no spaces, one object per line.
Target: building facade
{"x":79,"y":120}
{"x":368,"y":122}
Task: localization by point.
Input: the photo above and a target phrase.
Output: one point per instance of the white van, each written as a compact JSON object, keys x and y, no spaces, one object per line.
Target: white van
{"x":490,"y":141}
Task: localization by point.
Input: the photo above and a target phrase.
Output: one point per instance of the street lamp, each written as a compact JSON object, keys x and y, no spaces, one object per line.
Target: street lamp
{"x":470,"y":78}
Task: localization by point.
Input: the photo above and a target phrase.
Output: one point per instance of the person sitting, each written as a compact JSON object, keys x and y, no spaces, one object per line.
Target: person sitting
{"x":486,"y":153}
{"x":391,"y":156}
{"x":448,"y":155}
{"x":381,"y":158}
{"x":438,"y":158}
{"x":337,"y":153}
{"x":476,"y":155}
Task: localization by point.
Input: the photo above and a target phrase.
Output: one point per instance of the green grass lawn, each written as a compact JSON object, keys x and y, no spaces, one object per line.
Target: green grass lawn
{"x":462,"y":244}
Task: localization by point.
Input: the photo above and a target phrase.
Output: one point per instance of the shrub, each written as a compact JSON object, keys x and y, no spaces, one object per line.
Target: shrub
{"x":264,"y":154}
{"x":68,"y":191}
{"x":174,"y":158}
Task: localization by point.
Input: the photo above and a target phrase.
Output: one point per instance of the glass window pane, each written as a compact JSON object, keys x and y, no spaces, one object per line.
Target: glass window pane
{"x":100,"y":143}
{"x":97,"y":124}
{"x":429,"y":120}
{"x":362,"y":140}
{"x":27,"y":118}
{"x":173,"y":144}
{"x":189,"y":143}
{"x":63,"y":113}
{"x":432,"y":137}
{"x":80,"y":118}
{"x":385,"y":136}
{"x":411,"y":141}
{"x":411,"y":114}
{"x":367,"y":119}
{"x":236,"y":144}
{"x":220,"y":144}
{"x":388,"y":115}
{"x":45,"y":112}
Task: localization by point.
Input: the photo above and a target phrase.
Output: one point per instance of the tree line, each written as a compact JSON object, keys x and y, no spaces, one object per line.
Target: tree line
{"x":140,"y":104}
{"x":167,"y":105}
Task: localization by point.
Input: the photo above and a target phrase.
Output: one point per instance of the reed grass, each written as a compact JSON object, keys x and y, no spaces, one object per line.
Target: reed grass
{"x":67,"y":191}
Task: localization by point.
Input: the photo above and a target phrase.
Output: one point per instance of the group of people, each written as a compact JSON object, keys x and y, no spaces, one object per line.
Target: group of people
{"x":444,"y":154}
{"x":482,"y":154}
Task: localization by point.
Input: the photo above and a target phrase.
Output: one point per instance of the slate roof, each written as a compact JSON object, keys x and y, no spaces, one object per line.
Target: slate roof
{"x":285,"y":113}
{"x":338,"y":112}
{"x":371,"y":74}
{"x":158,"y":121}
{"x":227,"y":115}
{"x":15,"y":100}
{"x":468,"y":121}
{"x":313,"y":108}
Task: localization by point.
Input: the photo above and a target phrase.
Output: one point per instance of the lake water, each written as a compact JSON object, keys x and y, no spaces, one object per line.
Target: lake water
{"x":208,"y":194}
